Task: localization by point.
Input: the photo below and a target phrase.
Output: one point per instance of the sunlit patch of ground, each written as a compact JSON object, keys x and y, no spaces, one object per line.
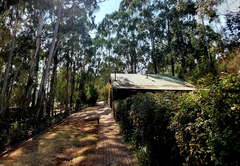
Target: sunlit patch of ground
{"x":93,"y":108}
{"x":74,"y":142}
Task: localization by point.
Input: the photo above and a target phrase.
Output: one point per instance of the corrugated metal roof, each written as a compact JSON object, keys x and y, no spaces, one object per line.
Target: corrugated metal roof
{"x":153,"y":82}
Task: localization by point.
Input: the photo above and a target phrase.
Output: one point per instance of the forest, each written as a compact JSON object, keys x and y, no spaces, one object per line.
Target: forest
{"x":53,"y":53}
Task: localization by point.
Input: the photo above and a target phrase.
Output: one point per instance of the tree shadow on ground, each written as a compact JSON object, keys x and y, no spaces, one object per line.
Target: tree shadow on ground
{"x":73,"y":142}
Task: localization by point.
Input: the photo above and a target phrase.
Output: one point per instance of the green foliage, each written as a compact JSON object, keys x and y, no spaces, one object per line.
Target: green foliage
{"x":142,"y":157}
{"x":207,"y":127}
{"x":145,"y":119}
{"x":93,"y":96}
{"x":104,"y":92}
{"x":199,"y":128}
{"x":61,"y":86}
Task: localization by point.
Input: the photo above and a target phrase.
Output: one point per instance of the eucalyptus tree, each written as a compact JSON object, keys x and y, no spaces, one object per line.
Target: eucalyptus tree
{"x":41,"y":8}
{"x":106,"y":32}
{"x":129,"y":42}
{"x":143,"y":25}
{"x":24,"y":18}
{"x":206,"y":10}
{"x":151,"y":28}
{"x":42,"y":89}
{"x":11,"y":22}
{"x":63,"y":8}
{"x":168,"y":11}
{"x":98,"y":44}
{"x":52,"y":92}
{"x":9,"y":63}
{"x":184,"y":27}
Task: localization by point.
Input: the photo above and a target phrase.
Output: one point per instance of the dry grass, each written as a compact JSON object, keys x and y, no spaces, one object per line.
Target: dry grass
{"x":74,"y":142}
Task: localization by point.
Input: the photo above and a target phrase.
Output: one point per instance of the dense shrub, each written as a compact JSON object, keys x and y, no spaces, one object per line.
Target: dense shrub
{"x":144,"y":121}
{"x":207,"y":125}
{"x":121,"y":112}
{"x":93,"y":96}
{"x":104,"y":92}
{"x":200,"y":128}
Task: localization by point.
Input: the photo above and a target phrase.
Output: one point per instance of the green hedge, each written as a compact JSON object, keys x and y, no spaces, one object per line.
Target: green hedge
{"x":200,"y":128}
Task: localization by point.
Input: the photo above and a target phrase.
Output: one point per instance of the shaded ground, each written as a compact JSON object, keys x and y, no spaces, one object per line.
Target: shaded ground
{"x":74,"y":142}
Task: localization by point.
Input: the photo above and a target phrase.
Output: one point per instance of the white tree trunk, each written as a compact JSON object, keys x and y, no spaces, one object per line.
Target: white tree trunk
{"x":45,"y":74}
{"x":38,"y":43}
{"x":8,"y":66}
{"x":33,"y":62}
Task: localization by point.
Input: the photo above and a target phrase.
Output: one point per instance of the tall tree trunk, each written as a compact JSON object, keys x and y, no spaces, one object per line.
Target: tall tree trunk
{"x":132,"y":64}
{"x":70,"y":78}
{"x":54,"y":76}
{"x":8,"y":66}
{"x":41,"y":94}
{"x":153,"y":56}
{"x":170,"y":45}
{"x":35,"y":58}
{"x":109,"y":65}
{"x":197,"y":64}
{"x":206,"y":42}
{"x":67,"y":87}
{"x":95,"y":75}
{"x":50,"y":104}
{"x":172,"y":62}
{"x":134,"y":54}
{"x":73,"y":84}
{"x":224,"y":63}
{"x":13,"y":80}
{"x":36,"y":82}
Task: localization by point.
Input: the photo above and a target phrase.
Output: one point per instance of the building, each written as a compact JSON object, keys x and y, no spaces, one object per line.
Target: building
{"x":127,"y":85}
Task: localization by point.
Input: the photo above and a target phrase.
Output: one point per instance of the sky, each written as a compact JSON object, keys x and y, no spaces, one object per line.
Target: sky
{"x":232,"y":4}
{"x":107,"y":7}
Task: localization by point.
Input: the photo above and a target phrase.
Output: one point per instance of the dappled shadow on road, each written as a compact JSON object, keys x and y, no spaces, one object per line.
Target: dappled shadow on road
{"x":111,"y":149}
{"x":86,"y":114}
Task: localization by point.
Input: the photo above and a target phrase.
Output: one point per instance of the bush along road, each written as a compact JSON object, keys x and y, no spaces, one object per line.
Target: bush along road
{"x":197,"y":128}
